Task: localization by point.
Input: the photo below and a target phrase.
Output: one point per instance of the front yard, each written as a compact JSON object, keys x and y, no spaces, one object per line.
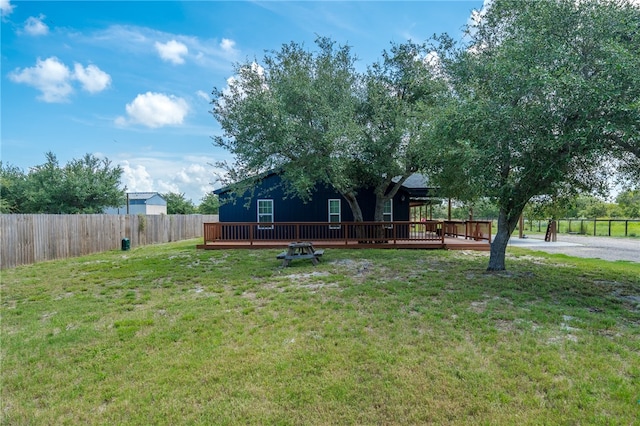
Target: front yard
{"x":169,"y":334}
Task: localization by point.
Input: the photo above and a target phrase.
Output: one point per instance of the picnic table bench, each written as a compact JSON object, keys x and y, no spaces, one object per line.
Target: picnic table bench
{"x":300,"y":250}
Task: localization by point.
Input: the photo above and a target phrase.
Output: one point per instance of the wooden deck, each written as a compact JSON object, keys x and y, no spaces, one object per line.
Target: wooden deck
{"x":441,"y":235}
{"x":449,"y":244}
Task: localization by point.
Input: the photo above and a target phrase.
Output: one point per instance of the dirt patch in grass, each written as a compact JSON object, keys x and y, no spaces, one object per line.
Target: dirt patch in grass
{"x":317,"y":286}
{"x":473,"y":254}
{"x":625,"y":293}
{"x":357,"y":268}
{"x":306,"y":276}
{"x":630,"y":300}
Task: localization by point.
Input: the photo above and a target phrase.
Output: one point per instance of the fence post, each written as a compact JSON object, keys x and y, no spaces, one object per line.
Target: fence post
{"x":609,"y":227}
{"x":346,"y":234}
{"x":626,"y":227}
{"x":520,"y":226}
{"x":490,"y":231}
{"x":594,"y":226}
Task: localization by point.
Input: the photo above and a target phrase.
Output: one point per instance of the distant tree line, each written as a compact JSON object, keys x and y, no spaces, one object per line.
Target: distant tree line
{"x":177,"y":203}
{"x":86,"y":185}
{"x":626,"y":206}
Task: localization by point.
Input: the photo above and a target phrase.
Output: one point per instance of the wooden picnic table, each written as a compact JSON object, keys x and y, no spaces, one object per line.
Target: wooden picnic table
{"x":300,"y":250}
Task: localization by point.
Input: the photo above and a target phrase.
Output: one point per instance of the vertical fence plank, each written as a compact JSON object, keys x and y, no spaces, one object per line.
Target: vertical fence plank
{"x":9,"y":239}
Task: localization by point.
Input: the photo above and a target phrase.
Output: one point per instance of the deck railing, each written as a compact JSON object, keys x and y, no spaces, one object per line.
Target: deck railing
{"x":362,"y":232}
{"x":469,"y":229}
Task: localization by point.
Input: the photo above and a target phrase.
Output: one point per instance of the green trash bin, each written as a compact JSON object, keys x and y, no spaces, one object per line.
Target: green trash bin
{"x":126,"y":244}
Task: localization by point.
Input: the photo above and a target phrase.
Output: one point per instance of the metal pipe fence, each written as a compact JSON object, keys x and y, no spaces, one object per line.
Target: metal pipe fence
{"x":595,"y":227}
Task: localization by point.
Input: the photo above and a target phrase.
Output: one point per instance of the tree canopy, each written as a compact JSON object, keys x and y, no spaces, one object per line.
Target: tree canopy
{"x":84,"y":185}
{"x":177,"y":203}
{"x":310,"y":115}
{"x":543,"y":98}
{"x":292,"y":113}
{"x":629,"y":202}
{"x":210,"y":204}
{"x":400,"y":92}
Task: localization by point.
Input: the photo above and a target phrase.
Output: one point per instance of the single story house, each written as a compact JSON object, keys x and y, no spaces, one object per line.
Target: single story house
{"x":266,"y":216}
{"x":270,"y":204}
{"x":141,"y":203}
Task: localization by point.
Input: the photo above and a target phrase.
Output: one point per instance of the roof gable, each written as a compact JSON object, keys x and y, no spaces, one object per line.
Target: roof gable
{"x":416,"y":184}
{"x":142,"y":195}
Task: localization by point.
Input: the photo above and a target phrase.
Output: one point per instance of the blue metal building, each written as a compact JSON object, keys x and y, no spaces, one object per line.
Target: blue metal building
{"x":141,"y":203}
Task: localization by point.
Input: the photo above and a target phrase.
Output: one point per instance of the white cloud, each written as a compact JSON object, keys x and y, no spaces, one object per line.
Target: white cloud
{"x":53,"y":78}
{"x":216,"y":53}
{"x":172,"y":51}
{"x":164,"y":187}
{"x":478,"y":15}
{"x":204,"y":95}
{"x":155,"y":110}
{"x":136,"y":179}
{"x":6,"y":8}
{"x":35,"y":27}
{"x":227,"y":45}
{"x":433,"y":61}
{"x":162,"y":173}
{"x":50,"y":76}
{"x":194,"y":180}
{"x":92,"y":78}
{"x":234,"y":83}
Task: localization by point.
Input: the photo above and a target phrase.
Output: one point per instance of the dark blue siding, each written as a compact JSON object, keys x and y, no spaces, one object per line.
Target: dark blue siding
{"x":295,"y":210}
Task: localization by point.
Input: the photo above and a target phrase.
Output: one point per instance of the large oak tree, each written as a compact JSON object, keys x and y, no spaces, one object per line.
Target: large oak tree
{"x":317,"y":120}
{"x":544,"y":98}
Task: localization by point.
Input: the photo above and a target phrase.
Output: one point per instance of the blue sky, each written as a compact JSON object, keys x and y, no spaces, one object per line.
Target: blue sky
{"x":131,"y":80}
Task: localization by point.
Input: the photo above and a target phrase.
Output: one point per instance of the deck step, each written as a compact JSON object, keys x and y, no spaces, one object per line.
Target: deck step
{"x":475,"y":247}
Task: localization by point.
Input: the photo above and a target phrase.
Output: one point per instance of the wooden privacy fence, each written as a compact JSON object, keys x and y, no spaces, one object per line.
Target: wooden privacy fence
{"x":31,"y":238}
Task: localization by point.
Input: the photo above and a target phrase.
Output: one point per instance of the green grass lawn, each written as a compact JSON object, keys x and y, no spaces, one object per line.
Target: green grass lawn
{"x":168,"y":334}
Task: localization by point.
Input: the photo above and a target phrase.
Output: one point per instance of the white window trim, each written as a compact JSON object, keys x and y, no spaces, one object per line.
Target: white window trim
{"x":264,"y":214}
{"x":339,"y":214}
{"x":390,"y":201}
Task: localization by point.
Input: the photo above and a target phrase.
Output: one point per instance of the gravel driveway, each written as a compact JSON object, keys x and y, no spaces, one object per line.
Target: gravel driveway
{"x":606,"y":248}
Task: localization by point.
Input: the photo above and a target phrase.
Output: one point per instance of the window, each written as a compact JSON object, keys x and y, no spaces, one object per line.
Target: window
{"x":387,"y":212}
{"x":265,"y":213}
{"x":335,"y":213}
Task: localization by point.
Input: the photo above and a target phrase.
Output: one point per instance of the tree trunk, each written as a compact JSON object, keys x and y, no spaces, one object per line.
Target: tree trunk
{"x":360,"y":231}
{"x":378,"y":212}
{"x":506,"y":224}
{"x":378,"y":216}
{"x":354,"y":206}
